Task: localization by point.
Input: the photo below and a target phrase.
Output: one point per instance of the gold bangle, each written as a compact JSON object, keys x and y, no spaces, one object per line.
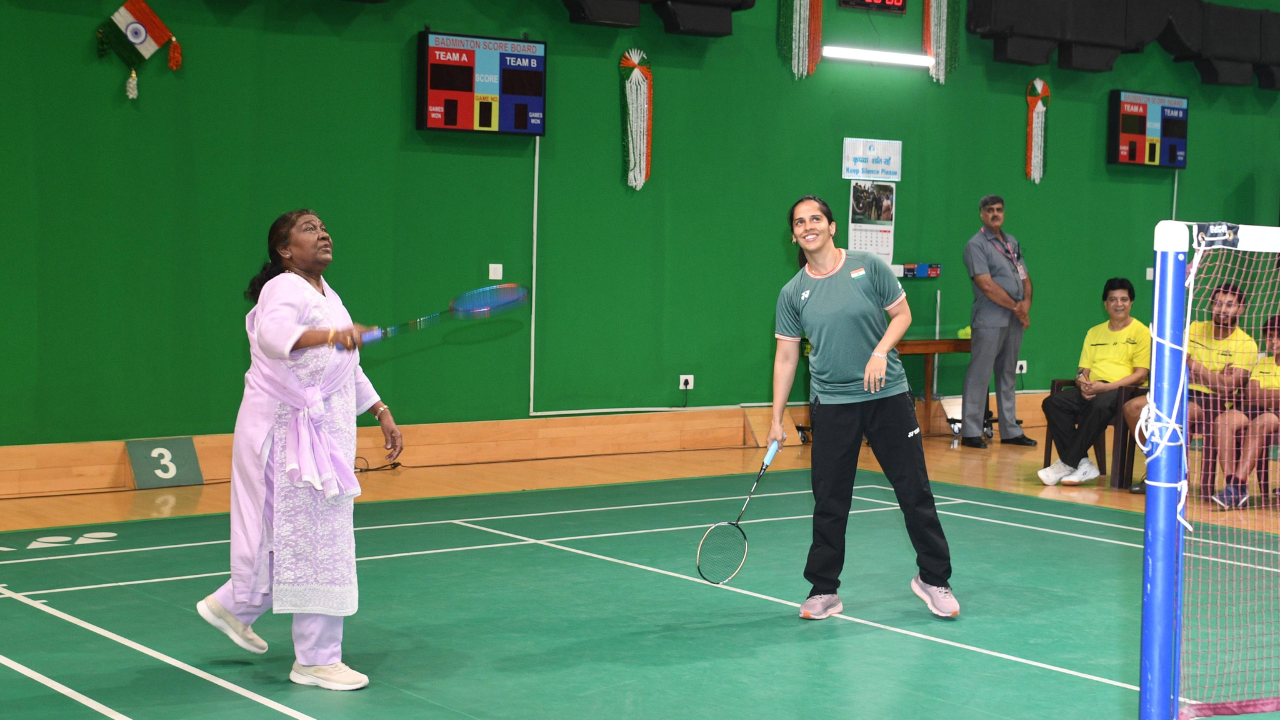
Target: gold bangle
{"x":329,"y":342}
{"x":384,"y":408}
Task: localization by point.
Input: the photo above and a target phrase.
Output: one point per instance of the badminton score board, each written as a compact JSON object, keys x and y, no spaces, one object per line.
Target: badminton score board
{"x":1146,"y":129}
{"x":481,"y":84}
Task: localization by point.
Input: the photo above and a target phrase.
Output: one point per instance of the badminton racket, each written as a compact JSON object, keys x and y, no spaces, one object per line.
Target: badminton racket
{"x":723,"y":548}
{"x":473,"y":305}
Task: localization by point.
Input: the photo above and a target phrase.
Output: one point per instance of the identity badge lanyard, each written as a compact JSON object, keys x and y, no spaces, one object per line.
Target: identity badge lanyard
{"x":1007,"y":250}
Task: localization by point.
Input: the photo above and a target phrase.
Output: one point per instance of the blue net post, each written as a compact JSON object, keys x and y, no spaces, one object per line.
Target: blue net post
{"x":1162,"y":552}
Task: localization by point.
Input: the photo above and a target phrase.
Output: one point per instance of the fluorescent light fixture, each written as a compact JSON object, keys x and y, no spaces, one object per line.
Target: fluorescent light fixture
{"x":876,"y":56}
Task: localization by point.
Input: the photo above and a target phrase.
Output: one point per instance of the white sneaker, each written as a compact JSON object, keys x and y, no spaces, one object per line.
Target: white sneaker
{"x":1055,"y":472}
{"x":1085,"y":472}
{"x":330,"y":677}
{"x":221,"y":618}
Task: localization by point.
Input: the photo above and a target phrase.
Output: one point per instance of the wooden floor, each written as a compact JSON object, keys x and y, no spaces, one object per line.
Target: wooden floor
{"x":1009,"y":469}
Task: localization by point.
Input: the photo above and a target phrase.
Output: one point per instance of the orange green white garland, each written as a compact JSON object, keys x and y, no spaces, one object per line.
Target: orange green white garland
{"x":1037,"y":105}
{"x":637,"y":121}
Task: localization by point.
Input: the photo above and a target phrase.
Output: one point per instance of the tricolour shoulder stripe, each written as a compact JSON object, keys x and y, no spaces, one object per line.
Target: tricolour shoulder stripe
{"x":787,"y":338}
{"x":894,"y":304}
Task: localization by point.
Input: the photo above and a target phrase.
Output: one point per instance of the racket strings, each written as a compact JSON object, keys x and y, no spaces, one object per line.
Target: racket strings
{"x":722,"y":552}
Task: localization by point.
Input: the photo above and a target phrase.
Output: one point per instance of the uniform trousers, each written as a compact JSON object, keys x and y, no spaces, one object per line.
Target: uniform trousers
{"x":992,"y":349}
{"x":890,"y":426}
{"x":317,"y":639}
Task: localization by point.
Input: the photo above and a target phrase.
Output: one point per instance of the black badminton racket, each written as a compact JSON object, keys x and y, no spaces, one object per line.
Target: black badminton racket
{"x":723,"y":549}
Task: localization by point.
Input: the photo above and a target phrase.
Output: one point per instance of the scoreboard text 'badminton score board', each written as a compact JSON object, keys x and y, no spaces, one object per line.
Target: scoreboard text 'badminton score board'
{"x":481,"y":84}
{"x":1145,"y":129}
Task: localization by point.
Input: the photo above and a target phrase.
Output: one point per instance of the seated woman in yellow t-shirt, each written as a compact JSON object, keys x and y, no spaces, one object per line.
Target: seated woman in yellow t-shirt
{"x":1116,"y":353}
{"x":1261,"y":403}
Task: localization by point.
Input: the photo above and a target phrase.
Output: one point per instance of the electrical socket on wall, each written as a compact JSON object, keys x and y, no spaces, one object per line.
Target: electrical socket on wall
{"x":1151,"y":273}
{"x":686,"y":382}
{"x":495,"y":271}
{"x":1022,"y":368}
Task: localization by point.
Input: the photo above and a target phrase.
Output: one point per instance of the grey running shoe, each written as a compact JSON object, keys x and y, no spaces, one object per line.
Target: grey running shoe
{"x":243,"y":635}
{"x":939,"y":599}
{"x":330,"y":677}
{"x":819,"y":607}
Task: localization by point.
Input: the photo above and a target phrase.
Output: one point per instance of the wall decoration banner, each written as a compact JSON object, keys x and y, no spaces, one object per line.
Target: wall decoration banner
{"x":135,"y":33}
{"x":800,"y":35}
{"x":941,"y":36}
{"x":637,"y":116}
{"x":1037,"y":105}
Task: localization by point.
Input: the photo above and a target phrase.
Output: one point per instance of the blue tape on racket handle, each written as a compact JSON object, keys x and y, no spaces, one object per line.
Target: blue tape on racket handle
{"x":773,"y":450}
{"x":371,"y":336}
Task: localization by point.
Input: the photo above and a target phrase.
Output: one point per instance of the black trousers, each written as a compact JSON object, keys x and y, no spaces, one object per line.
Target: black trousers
{"x":889,"y":424}
{"x":1060,"y":411}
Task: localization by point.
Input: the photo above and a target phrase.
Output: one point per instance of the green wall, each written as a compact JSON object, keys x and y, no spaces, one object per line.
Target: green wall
{"x":131,"y":228}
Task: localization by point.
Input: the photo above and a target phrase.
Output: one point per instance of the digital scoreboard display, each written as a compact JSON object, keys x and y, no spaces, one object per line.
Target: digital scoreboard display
{"x":481,"y":84}
{"x":1145,"y":129}
{"x":893,"y":6}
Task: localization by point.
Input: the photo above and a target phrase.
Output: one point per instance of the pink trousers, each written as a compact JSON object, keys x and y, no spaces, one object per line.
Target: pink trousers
{"x":317,"y":639}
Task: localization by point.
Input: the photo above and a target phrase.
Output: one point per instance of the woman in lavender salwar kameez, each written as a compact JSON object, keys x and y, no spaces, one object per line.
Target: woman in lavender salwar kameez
{"x":292,"y":478}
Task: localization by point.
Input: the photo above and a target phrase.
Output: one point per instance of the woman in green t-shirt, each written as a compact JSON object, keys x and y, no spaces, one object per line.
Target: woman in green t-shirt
{"x":839,"y":300}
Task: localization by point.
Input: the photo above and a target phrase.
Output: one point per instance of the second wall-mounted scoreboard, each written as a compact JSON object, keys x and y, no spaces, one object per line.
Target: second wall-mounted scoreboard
{"x":1145,"y":129}
{"x":481,"y":84}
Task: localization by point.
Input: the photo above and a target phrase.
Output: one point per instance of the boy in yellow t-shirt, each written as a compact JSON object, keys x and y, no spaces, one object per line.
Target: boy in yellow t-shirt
{"x":1220,"y":361}
{"x":1116,"y":353}
{"x":1261,"y":402}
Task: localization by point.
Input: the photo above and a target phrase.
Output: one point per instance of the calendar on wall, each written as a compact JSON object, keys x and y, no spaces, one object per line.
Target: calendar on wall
{"x":872,"y":208}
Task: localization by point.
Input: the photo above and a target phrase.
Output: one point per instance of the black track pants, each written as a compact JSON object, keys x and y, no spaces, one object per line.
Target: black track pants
{"x":1060,"y":412}
{"x":890,"y":426}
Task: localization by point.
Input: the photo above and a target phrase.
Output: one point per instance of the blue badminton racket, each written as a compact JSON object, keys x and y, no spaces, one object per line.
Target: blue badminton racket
{"x":723,"y":549}
{"x":473,"y":305}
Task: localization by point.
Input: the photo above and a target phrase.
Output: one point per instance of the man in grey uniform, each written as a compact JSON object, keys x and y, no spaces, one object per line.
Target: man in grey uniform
{"x":1001,"y":311}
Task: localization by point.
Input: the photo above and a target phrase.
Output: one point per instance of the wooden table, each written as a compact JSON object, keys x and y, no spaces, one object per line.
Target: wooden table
{"x":930,"y":348}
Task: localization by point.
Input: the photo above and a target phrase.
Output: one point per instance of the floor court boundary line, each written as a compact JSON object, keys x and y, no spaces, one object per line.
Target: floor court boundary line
{"x":126,"y":582}
{"x":156,"y":654}
{"x":1024,"y":510}
{"x":849,"y":618}
{"x":114,"y":552}
{"x":63,"y":689}
{"x":444,"y":550}
{"x":581,"y":510}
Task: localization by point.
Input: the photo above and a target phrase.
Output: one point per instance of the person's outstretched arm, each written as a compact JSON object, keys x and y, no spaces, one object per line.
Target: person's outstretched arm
{"x":785,"y":360}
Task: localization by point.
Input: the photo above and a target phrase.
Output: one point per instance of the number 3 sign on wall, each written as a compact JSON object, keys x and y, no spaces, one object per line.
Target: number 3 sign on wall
{"x":164,"y":462}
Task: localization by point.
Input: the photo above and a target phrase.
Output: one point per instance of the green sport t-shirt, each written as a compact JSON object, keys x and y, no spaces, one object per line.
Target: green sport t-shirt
{"x":843,"y":315}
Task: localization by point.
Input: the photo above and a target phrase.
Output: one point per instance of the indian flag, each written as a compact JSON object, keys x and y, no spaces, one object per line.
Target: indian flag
{"x":135,"y":33}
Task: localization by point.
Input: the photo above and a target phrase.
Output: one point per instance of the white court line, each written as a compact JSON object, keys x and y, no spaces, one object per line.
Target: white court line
{"x":115,"y":552}
{"x":39,"y":605}
{"x":418,"y":524}
{"x":55,"y":685}
{"x":850,"y":618}
{"x":453,"y":549}
{"x":1024,"y":510}
{"x":429,"y":552}
{"x":126,"y":582}
{"x":582,"y":510}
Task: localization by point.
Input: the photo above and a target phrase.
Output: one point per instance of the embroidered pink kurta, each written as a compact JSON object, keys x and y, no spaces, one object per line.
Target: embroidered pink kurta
{"x":299,"y":412}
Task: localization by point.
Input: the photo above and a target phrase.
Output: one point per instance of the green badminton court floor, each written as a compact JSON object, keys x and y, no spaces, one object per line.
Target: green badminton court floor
{"x":585,"y":603}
